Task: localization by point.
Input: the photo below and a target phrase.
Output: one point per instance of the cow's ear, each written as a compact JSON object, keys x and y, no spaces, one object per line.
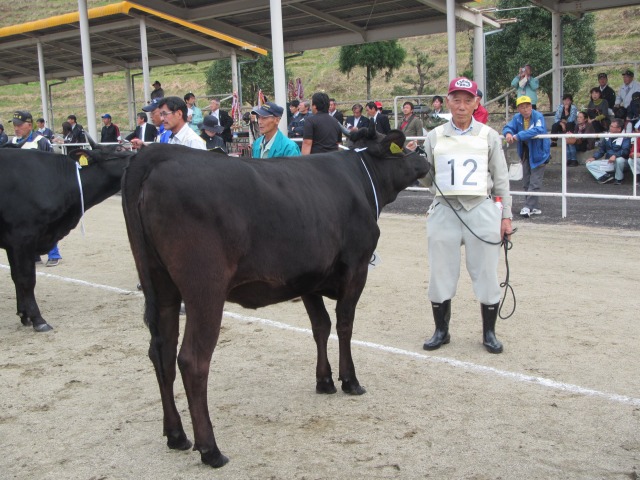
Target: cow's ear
{"x":393,"y":142}
{"x":81,"y":156}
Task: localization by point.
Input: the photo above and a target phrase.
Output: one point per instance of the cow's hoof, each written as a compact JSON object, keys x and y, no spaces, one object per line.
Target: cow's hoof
{"x":326,"y":386}
{"x":179,"y":442}
{"x":26,"y":321}
{"x":353,"y":388}
{"x":42,"y":327}
{"x":214,"y":459}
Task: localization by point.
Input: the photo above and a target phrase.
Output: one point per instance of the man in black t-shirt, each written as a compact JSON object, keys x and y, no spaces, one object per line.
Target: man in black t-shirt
{"x":321,"y":131}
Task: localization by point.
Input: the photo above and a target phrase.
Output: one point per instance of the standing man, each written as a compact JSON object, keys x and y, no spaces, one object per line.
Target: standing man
{"x":296,"y":127}
{"x":27,"y":138}
{"x":77,"y":132}
{"x":224,"y":119}
{"x":628,"y":88}
{"x":334,"y":112}
{"x":356,"y":121}
{"x":196,"y":117}
{"x":143,"y":131}
{"x":173,"y":112}
{"x":272,"y":143}
{"x":380,"y":119}
{"x":46,"y":132}
{"x":110,"y":131}
{"x":468,"y":176}
{"x":606,"y":92}
{"x":533,"y":152}
{"x":526,"y":85}
{"x":321,"y":132}
{"x":157,"y":92}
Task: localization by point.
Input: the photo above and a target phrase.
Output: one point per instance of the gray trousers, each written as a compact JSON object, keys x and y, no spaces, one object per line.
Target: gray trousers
{"x":532,"y":182}
{"x":446,"y":234}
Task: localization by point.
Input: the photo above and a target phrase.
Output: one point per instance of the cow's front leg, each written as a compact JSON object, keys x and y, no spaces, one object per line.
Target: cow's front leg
{"x":23,"y":274}
{"x":321,"y":326}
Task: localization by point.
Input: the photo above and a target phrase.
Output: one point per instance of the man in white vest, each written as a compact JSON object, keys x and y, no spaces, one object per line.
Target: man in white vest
{"x":28,"y":138}
{"x":472,"y":207}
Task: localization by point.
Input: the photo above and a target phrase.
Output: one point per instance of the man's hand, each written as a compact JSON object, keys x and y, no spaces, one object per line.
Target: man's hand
{"x":510,"y":138}
{"x":137,"y":143}
{"x":506,"y":228}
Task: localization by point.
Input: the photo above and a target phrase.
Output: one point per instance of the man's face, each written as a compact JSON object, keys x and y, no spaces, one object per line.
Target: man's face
{"x":139,"y":120}
{"x":22,"y":131}
{"x":214,"y":105}
{"x":371,"y":111}
{"x":581,"y":119}
{"x":71,"y":121}
{"x":156,"y":119}
{"x":357,"y":112}
{"x":602,"y":81}
{"x":40,"y":124}
{"x":332,"y":106}
{"x":406,"y":109}
{"x":303,"y":108}
{"x":462,"y":105}
{"x":437,"y":104}
{"x":190,"y":101}
{"x":293,"y":109}
{"x":627,"y":79}
{"x":268,"y":125}
{"x":525,"y":110}
{"x":106,"y":121}
{"x":615,"y":128}
{"x":171,"y":120}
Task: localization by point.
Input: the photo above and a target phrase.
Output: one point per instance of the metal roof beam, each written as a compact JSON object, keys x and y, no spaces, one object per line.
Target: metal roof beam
{"x":583,"y":6}
{"x":94,"y":55}
{"x":461,"y":13}
{"x":136,"y":45}
{"x":332,"y":19}
{"x":247,"y":36}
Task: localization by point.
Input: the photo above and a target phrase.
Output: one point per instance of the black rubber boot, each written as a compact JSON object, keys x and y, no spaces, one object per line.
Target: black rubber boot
{"x":441,"y":317}
{"x":489,"y":317}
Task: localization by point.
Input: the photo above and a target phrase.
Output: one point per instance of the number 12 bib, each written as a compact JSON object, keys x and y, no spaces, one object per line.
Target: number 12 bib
{"x":462,"y":163}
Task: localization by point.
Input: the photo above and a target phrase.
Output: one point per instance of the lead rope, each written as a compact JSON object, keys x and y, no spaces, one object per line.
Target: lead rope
{"x":375,"y":195}
{"x":78,"y":167}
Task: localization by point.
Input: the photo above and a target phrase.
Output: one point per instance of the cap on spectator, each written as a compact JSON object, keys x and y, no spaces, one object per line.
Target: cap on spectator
{"x":106,"y":115}
{"x":463,"y":84}
{"x":21,"y":116}
{"x":268,"y":109}
{"x":152,"y":106}
{"x":602,"y":75}
{"x":378,"y":105}
{"x":628,"y":73}
{"x":479,"y":93}
{"x":40,"y":120}
{"x":210,"y":122}
{"x":156,"y":83}
{"x":522,"y":99}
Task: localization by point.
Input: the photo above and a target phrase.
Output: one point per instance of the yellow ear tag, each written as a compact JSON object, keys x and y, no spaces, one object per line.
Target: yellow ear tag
{"x":84,"y":161}
{"x":394,"y":148}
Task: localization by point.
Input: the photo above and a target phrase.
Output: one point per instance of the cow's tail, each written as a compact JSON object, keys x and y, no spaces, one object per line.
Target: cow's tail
{"x":132,"y":199}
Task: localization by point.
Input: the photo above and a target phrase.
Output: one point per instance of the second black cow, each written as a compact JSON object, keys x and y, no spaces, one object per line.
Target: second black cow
{"x":208,"y":229}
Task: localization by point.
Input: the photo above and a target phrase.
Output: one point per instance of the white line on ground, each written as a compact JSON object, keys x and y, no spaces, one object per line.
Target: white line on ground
{"x":517,"y":377}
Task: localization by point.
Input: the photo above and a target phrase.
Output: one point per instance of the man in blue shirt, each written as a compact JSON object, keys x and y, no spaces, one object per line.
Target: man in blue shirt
{"x":272,"y":143}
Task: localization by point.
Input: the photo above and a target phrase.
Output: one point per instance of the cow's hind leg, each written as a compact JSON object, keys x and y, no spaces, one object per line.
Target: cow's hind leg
{"x":204,"y":316}
{"x":23,"y":274}
{"x":162,"y":315}
{"x":321,"y":326}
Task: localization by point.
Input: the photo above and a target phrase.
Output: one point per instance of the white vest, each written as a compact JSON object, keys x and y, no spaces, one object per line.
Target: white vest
{"x":461,"y":163}
{"x":33,"y":144}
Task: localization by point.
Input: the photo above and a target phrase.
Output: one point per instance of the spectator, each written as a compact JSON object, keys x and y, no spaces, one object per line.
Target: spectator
{"x":481,"y":114}
{"x":611,"y":156}
{"x":65,"y":137}
{"x":46,"y":132}
{"x":194,"y":114}
{"x":633,"y":112}
{"x":468,"y":202}
{"x":293,"y":110}
{"x":437,"y":105}
{"x":335,"y":113}
{"x":437,"y":115}
{"x":3,"y":136}
{"x":526,"y":85}
{"x":272,"y":142}
{"x":321,"y":132}
{"x":173,"y":112}
{"x":224,"y":119}
{"x":162,"y":135}
{"x":143,"y":131}
{"x":77,"y":132}
{"x":565,"y":119}
{"x":533,"y":152}
{"x":157,"y":92}
{"x":357,"y":120}
{"x":583,"y":126}
{"x":411,"y":125}
{"x":598,"y":108}
{"x":110,"y":131}
{"x":380,"y":120}
{"x":211,"y":131}
{"x":606,"y":92}
{"x":296,"y":127}
{"x":27,"y":138}
{"x":629,"y":86}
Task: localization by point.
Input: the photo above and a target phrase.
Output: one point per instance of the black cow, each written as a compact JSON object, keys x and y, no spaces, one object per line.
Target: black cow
{"x":40,"y":203}
{"x":206,"y":229}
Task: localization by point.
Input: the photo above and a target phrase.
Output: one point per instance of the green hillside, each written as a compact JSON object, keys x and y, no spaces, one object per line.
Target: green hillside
{"x":618,"y":33}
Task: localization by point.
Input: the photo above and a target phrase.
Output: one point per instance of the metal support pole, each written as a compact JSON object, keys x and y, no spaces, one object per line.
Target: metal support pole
{"x":43,"y":86}
{"x":144,"y":53}
{"x":131,"y":113}
{"x":277,"y":47}
{"x":478,"y":56}
{"x":451,"y":39}
{"x":556,"y":60}
{"x":234,"y":73}
{"x":87,"y":68}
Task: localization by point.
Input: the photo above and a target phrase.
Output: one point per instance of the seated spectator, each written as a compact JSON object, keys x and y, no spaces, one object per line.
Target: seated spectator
{"x":480,"y":114}
{"x":565,"y":118}
{"x":606,"y":92}
{"x":584,"y":126}
{"x":633,"y":112}
{"x":629,"y":86}
{"x":211,"y":130}
{"x":598,"y":107}
{"x":411,"y":125}
{"x":611,"y":156}
{"x":3,"y":136}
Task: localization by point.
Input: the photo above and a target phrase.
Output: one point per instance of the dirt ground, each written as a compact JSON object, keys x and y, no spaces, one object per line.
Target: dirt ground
{"x":562,"y":401}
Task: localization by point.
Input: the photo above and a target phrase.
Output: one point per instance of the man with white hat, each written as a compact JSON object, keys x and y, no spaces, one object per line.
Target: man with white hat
{"x":472,"y":206}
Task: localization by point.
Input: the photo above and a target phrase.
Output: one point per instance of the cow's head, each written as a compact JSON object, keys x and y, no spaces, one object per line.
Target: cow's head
{"x":378,"y":144}
{"x":99,"y":153}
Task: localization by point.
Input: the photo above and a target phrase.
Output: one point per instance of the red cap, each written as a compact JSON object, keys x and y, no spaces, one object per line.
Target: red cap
{"x":378,"y":104}
{"x":463,"y":84}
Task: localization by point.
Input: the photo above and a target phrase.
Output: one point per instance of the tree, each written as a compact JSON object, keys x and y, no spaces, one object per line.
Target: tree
{"x":423,"y":65}
{"x":254,"y":76}
{"x":373,"y":57}
{"x":529,"y":41}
